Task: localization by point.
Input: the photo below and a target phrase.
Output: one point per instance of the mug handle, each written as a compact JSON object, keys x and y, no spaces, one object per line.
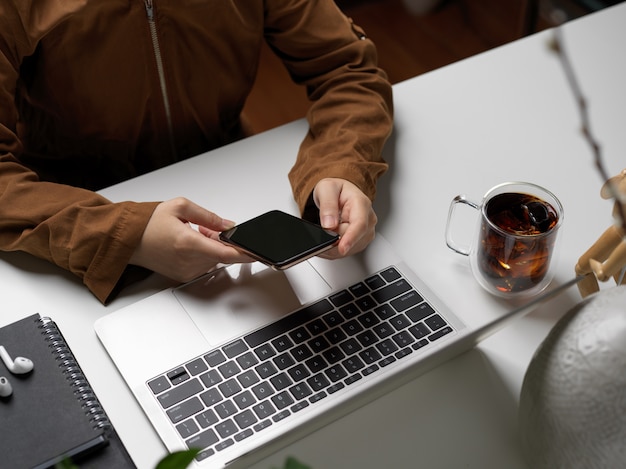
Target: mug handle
{"x":459,"y":199}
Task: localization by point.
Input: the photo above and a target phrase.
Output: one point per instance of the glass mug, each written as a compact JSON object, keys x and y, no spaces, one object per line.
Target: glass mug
{"x":512,"y":253}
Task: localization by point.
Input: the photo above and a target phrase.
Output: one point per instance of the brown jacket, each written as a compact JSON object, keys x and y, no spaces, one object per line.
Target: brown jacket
{"x":95,"y":92}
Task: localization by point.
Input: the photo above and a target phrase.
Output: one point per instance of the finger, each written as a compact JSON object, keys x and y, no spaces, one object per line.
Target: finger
{"x":200,"y":216}
{"x":326,"y":196}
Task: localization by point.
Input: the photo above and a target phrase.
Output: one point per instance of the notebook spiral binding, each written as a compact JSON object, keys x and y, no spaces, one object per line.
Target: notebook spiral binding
{"x":74,"y":374}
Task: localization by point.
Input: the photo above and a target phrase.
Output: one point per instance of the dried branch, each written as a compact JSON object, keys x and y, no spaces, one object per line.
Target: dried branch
{"x":558,"y":47}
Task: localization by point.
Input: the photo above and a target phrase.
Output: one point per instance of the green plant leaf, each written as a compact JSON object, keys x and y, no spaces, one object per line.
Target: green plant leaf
{"x":178,"y":459}
{"x":293,"y":463}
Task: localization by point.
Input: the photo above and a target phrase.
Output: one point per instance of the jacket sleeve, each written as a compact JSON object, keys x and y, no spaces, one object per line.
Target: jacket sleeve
{"x":351,"y":113}
{"x":73,"y":228}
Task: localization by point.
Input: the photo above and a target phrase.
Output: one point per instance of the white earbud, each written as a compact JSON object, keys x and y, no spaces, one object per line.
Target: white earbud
{"x":5,"y":387}
{"x":19,"y":366}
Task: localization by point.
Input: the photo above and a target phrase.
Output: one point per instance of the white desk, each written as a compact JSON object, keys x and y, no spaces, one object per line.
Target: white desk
{"x":503,"y":115}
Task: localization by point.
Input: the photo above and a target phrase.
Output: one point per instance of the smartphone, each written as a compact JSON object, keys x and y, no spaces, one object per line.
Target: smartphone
{"x":279,"y":239}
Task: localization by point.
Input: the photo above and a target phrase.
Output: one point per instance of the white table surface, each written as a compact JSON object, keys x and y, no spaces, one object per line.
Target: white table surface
{"x":503,"y":115}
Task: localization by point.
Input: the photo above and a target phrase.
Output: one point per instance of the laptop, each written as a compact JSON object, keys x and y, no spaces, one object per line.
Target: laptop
{"x":245,"y":359}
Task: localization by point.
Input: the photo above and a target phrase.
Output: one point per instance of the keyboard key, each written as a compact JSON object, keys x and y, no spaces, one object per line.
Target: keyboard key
{"x":243,"y":435}
{"x":235,"y":348}
{"x":367,"y":338}
{"x":244,"y":400}
{"x":341,"y":298}
{"x":352,"y":327}
{"x":300,"y":391}
{"x":203,"y":440}
{"x":224,"y":444}
{"x":406,"y":301}
{"x":435,"y":322}
{"x":226,"y":428}
{"x":301,"y":352}
{"x":229,"y":369}
{"x":334,"y":318}
{"x":185,"y":409}
{"x":350,"y":346}
{"x":247,"y":360}
{"x":318,"y":344}
{"x":281,"y":381}
{"x":420,"y":312}
{"x":336,"y":373}
{"x":262,"y":426}
{"x":288,"y":323}
{"x":197,"y":366}
{"x":333,"y":355}
{"x":350,"y":311}
{"x":281,"y":415}
{"x":206,"y":418}
{"x":225,"y":409}
{"x":178,"y":375}
{"x":353,"y":364}
{"x":368,"y":319}
{"x":316,"y":364}
{"x":390,"y":274}
{"x":400,"y":322}
{"x":403,"y":339}
{"x":284,"y":361}
{"x":335,"y":335}
{"x":359,"y":289}
{"x":391,"y":291}
{"x":264,"y":351}
{"x":159,"y":384}
{"x":383,"y":330}
{"x":298,"y":406}
{"x":263,"y":390}
{"x":211,"y":397}
{"x":365,"y":303}
{"x":248,"y":378}
{"x":282,"y":400}
{"x":214,"y":358}
{"x":299,"y":372}
{"x":439,"y":334}
{"x":419,"y":330}
{"x":387,"y":347}
{"x":187,"y":428}
{"x":265,"y":370}
{"x":299,"y":335}
{"x":316,"y":327}
{"x":317,"y":382}
{"x":375,"y":282}
{"x":370,"y":355}
{"x":282,"y":343}
{"x":180,"y":393}
{"x":245,"y":419}
{"x":230,"y":387}
{"x":264,"y":409}
{"x":384,"y":311}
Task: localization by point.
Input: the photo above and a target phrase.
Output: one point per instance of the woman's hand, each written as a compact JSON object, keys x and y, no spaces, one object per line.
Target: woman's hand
{"x":346,"y":210}
{"x":171,"y":247}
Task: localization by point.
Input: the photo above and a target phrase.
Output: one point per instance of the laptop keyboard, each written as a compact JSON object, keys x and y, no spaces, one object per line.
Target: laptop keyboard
{"x":269,"y":375}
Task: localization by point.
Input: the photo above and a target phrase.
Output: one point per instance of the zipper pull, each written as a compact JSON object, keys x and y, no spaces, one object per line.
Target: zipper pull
{"x":149,"y":9}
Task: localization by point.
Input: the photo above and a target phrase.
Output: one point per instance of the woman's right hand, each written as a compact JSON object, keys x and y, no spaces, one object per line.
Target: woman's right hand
{"x":172,"y":247}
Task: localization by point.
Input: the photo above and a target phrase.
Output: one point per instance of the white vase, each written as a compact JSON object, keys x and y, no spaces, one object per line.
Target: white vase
{"x":573,"y":400}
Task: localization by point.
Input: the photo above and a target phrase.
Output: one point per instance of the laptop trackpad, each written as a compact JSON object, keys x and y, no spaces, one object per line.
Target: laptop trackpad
{"x":236,"y":299}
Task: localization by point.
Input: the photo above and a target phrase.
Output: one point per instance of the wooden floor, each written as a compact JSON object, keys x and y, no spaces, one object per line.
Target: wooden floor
{"x":408,"y":45}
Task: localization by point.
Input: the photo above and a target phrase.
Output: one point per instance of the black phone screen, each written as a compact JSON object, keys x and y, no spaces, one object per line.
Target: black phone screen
{"x":279,"y":239}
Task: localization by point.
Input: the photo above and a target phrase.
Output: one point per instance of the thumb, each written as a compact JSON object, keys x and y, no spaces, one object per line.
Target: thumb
{"x":193,"y":213}
{"x":326,"y":196}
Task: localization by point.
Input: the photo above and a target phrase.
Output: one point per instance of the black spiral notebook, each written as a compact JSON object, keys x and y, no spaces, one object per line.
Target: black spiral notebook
{"x":52,"y":414}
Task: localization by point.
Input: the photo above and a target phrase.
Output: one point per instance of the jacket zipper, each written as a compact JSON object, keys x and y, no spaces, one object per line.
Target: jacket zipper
{"x":159,"y":63}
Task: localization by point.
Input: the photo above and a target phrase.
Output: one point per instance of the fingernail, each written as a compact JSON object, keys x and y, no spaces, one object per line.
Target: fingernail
{"x":328,"y":221}
{"x":228,"y":224}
